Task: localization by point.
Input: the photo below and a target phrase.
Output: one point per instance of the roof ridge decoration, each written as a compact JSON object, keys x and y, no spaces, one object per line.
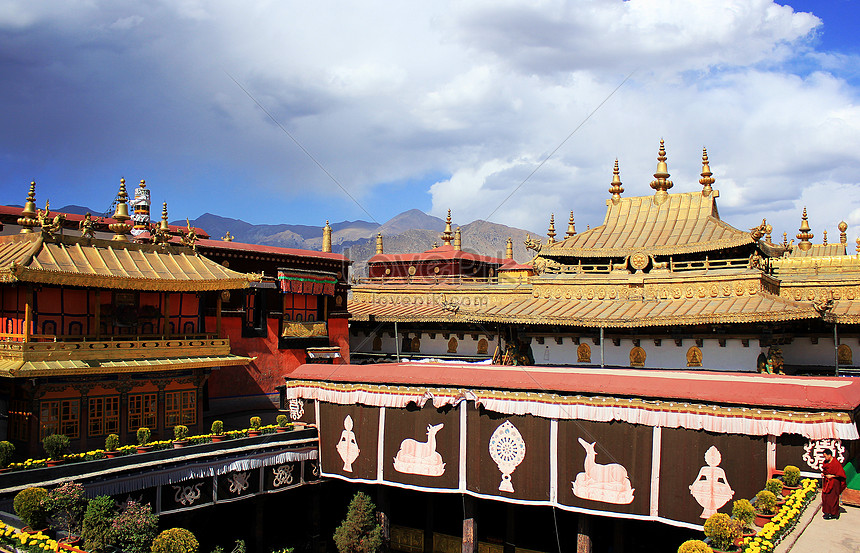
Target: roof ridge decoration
{"x":615,"y":189}
{"x":28,"y":214}
{"x":843,"y":237}
{"x":707,"y":177}
{"x":447,"y":236}
{"x":326,"y":242}
{"x":121,"y":227}
{"x":458,"y":240}
{"x":661,"y":183}
{"x":571,"y":228}
{"x":509,"y":248}
{"x":551,"y":231}
{"x":804,"y":235}
{"x":162,"y":233}
{"x":379,"y":249}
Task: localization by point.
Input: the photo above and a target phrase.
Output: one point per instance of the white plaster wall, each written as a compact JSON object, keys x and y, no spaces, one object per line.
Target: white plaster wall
{"x":801,"y":351}
{"x":733,"y":357}
{"x":429,"y":346}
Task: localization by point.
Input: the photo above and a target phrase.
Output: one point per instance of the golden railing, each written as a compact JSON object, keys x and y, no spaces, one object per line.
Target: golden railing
{"x":196,"y":346}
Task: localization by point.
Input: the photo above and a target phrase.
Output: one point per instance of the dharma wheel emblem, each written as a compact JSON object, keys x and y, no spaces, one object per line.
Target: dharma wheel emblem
{"x":507,"y":449}
{"x":638,"y":261}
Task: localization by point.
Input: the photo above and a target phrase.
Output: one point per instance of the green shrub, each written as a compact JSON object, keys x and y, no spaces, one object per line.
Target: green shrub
{"x":256,"y":422}
{"x":360,"y":532}
{"x":134,"y":529}
{"x":722,"y":530}
{"x":175,"y":540}
{"x":217,"y":428}
{"x":143,"y":435}
{"x":281,"y":420}
{"x":65,"y":506}
{"x":743,"y":512}
{"x":97,"y":524}
{"x":7,"y":449}
{"x":28,"y":506}
{"x":774,"y":486}
{"x":180,"y":432}
{"x":791,"y":476}
{"x":55,"y":445}
{"x":695,"y":546}
{"x":765,"y":502}
{"x":111,"y":442}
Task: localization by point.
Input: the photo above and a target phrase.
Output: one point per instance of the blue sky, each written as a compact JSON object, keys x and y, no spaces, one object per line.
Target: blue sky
{"x":432,"y":106}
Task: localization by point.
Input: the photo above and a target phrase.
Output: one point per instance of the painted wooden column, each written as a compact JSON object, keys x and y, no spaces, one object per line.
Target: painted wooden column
{"x":618,"y":528}
{"x":384,"y":506}
{"x":510,"y":529}
{"x":218,"y":303}
{"x":97,"y":312}
{"x":165,"y":331}
{"x":428,"y":523}
{"x":28,"y":312}
{"x":583,"y":533}
{"x":470,"y":526}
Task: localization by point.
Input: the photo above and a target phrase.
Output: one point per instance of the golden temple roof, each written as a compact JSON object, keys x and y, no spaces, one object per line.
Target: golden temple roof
{"x":680,"y":223}
{"x":78,"y":367}
{"x":70,"y":261}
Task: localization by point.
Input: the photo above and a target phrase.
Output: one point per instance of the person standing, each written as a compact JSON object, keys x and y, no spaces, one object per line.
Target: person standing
{"x":835,"y":482}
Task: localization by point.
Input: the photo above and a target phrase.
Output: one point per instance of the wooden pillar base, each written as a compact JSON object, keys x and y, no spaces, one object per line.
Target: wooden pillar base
{"x":583,"y":534}
{"x":470,"y":526}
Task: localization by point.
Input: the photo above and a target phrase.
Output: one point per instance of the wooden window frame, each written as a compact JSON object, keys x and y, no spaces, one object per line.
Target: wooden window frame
{"x":99,"y":421}
{"x":142,"y":411}
{"x":65,"y":419}
{"x":180,"y":407}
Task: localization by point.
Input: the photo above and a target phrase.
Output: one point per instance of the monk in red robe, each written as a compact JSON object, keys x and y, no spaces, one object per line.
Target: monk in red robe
{"x":834,"y":482}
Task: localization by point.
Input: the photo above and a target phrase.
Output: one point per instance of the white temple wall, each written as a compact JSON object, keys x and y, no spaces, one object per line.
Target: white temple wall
{"x":801,"y":351}
{"x":436,"y":346}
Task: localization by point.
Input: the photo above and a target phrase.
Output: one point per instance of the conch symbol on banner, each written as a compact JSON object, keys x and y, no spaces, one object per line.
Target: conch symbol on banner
{"x":711,"y":489}
{"x":347,"y":447}
{"x":606,"y":483}
{"x":416,"y":457}
{"x":507,"y":449}
{"x":813,"y":452}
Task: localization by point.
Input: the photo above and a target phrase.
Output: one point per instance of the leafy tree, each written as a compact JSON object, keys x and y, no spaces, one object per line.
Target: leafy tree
{"x":360,"y":532}
{"x":97,"y":523}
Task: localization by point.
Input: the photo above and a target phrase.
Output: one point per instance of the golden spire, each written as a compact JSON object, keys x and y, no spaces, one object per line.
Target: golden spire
{"x":164,"y":225}
{"x":858,"y":245}
{"x":28,"y":214}
{"x":571,"y":228}
{"x":843,"y":238}
{"x":378,"y":243}
{"x":447,"y":236}
{"x":551,"y":231}
{"x":707,"y":180}
{"x":326,"y":244}
{"x":825,"y":238}
{"x":120,"y":228}
{"x":785,"y":239}
{"x":661,"y":182}
{"x":509,"y":248}
{"x":804,"y":235}
{"x":615,"y":187}
{"x":768,"y":228}
{"x":458,"y":241}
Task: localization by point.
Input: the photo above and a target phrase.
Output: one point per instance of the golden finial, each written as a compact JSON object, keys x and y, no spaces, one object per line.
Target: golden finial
{"x":509,"y":248}
{"x":458,"y":241}
{"x":164,"y":225}
{"x":858,"y":245}
{"x":28,"y":214}
{"x":804,"y":235}
{"x":843,"y":238}
{"x":551,"y":231}
{"x":447,"y":235}
{"x":615,"y":187}
{"x":378,"y":243}
{"x":435,"y":244}
{"x":825,"y":238}
{"x":768,"y":228}
{"x":227,"y":237}
{"x":707,"y":180}
{"x":571,"y":228}
{"x":661,"y":182}
{"x":120,"y":228}
{"x":142,"y":183}
{"x":326,"y":244}
{"x":785,"y":239}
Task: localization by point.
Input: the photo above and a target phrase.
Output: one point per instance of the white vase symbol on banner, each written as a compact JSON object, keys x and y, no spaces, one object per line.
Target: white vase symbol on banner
{"x":606,"y":483}
{"x":416,"y":457}
{"x":507,"y":449}
{"x":711,"y":488}
{"x":347,"y":447}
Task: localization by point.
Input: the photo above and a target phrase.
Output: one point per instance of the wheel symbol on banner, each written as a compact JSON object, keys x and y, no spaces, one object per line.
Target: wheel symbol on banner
{"x":507,"y":449}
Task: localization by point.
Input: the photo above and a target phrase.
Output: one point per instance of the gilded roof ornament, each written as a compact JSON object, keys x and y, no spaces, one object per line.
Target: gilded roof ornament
{"x":571,"y":228}
{"x":615,"y":187}
{"x":28,"y":214}
{"x":824,"y":241}
{"x":458,"y":240}
{"x":551,"y":231}
{"x":858,"y":246}
{"x":379,"y":243}
{"x":86,"y":227}
{"x":661,"y":182}
{"x":189,"y":237}
{"x":162,"y":233}
{"x":447,"y":236}
{"x":49,"y":226}
{"x":843,"y":237}
{"x":804,"y":235}
{"x":121,"y":227}
{"x":707,"y":179}
{"x":768,"y":229}
{"x":227,"y":237}
{"x":509,"y":248}
{"x":326,"y":241}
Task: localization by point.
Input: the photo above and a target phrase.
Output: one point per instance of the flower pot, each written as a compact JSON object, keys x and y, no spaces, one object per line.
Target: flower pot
{"x":28,"y":530}
{"x":762,"y":518}
{"x":144,"y":448}
{"x":281,"y":429}
{"x":218,"y":437}
{"x":55,"y":462}
{"x":253,"y":433}
{"x":111,"y":454}
{"x":73,"y":541}
{"x":786,"y":490}
{"x":179,"y":444}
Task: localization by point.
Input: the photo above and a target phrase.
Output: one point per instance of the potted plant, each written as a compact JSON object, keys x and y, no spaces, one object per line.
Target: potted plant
{"x":66,"y":505}
{"x":133,"y":530}
{"x":7,"y":449}
{"x":111,"y":445}
{"x":283,"y":423}
{"x":722,"y":531}
{"x":180,"y":435}
{"x":175,"y":540}
{"x":695,"y":546}
{"x":97,"y":523}
{"x":765,"y":507}
{"x":255,"y":426}
{"x":218,"y":431}
{"x":790,"y":479}
{"x":29,"y":508}
{"x":774,"y":486}
{"x":143,"y":435}
{"x":55,"y":446}
{"x":744,"y":513}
